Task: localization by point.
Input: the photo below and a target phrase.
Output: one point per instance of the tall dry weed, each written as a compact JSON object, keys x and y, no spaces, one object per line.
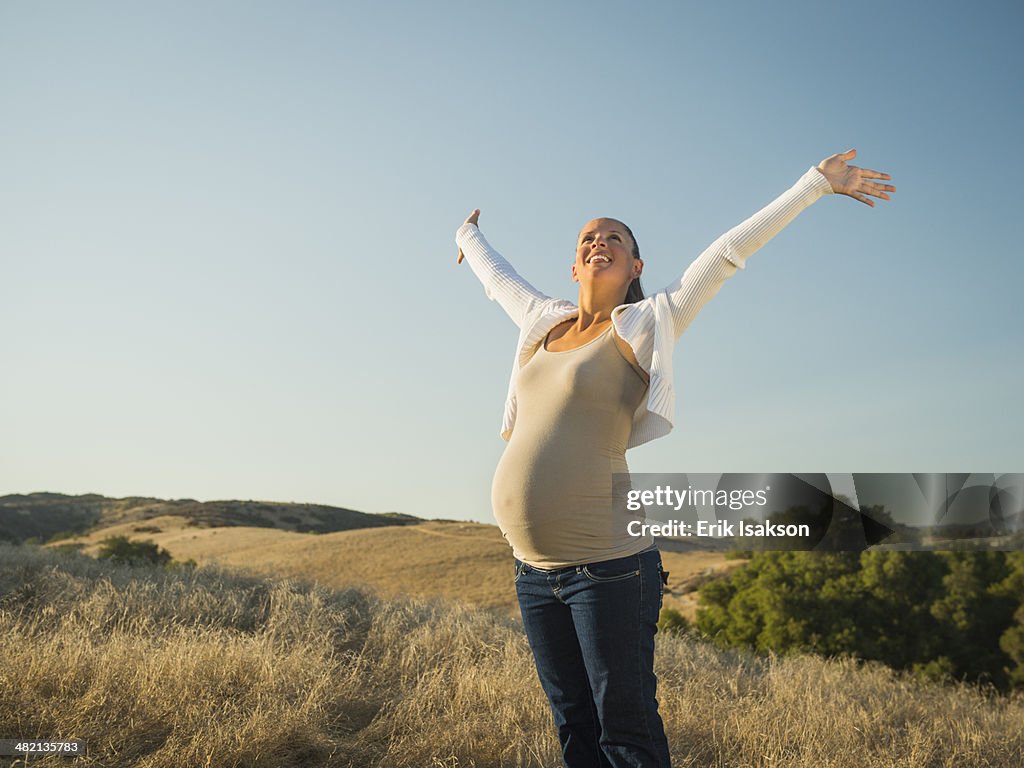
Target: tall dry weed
{"x":204,"y":667}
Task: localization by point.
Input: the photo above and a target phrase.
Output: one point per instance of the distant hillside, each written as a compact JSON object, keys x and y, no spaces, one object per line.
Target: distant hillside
{"x":42,"y":515}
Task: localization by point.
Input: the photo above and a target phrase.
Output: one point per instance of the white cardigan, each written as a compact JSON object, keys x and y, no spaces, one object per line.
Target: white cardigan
{"x":652,"y":326}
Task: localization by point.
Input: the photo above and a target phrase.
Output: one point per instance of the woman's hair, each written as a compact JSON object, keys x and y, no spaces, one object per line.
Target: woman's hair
{"x":635,"y":292}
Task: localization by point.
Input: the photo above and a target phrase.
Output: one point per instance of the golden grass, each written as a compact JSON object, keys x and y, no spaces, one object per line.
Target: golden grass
{"x":211,"y":668}
{"x":467,"y":562}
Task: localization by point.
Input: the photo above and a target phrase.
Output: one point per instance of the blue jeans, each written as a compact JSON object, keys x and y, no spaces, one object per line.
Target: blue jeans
{"x":591,"y":628}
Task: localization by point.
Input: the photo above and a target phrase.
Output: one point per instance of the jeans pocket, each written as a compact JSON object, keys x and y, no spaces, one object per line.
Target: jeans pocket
{"x":612,"y":570}
{"x":520,"y":568}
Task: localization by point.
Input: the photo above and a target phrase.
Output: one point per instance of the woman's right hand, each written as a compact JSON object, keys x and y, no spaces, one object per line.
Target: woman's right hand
{"x":472,"y":219}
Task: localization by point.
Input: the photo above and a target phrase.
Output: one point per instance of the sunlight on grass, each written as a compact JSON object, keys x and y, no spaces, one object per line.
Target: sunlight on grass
{"x":155,"y":667}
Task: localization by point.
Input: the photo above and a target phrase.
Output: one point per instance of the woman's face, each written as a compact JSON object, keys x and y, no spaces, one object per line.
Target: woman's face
{"x":604,"y":251}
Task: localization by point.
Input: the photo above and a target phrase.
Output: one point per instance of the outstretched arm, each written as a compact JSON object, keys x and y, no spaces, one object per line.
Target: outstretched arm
{"x":705,"y":276}
{"x":501,"y":282}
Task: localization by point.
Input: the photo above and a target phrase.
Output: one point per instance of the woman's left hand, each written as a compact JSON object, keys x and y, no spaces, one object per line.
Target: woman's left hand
{"x":853,"y":181}
{"x":474,"y":217}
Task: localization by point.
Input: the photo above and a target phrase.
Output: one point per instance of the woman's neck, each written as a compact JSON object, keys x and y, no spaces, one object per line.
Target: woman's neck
{"x":595,"y":307}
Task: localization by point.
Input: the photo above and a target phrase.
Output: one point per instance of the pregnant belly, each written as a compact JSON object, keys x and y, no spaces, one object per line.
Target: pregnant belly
{"x":540,"y":485}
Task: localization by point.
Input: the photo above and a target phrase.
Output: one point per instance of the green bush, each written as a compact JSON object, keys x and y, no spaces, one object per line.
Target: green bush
{"x":121,"y":549}
{"x":672,"y":622}
{"x":940,"y":615}
{"x":66,"y":549}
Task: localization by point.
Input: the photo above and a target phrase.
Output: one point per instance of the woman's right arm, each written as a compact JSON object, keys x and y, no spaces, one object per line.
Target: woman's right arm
{"x":501,"y":282}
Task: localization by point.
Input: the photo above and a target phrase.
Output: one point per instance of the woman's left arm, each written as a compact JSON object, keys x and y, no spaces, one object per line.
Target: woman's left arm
{"x":719,"y":261}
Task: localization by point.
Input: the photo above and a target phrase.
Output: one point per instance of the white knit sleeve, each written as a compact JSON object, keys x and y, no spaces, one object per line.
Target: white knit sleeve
{"x":719,"y":261}
{"x":501,"y":282}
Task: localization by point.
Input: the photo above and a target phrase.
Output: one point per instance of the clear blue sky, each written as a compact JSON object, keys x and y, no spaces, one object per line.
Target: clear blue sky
{"x":227,"y":261}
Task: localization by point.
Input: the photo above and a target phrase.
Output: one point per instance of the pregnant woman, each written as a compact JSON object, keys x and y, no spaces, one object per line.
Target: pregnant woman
{"x":589,"y":381}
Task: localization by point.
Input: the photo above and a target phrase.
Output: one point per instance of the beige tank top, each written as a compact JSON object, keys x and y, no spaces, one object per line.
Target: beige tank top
{"x":552,"y":492}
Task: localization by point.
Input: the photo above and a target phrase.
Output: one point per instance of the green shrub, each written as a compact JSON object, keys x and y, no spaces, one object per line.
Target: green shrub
{"x":121,"y":549}
{"x":672,"y":622}
{"x":66,"y":549}
{"x":939,"y":615}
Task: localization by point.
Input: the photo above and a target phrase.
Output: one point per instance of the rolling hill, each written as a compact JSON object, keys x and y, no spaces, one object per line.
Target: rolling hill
{"x":45,"y":515}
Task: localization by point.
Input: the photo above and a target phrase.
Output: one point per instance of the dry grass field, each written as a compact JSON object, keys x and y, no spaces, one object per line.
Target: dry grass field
{"x":206,"y":667}
{"x":466,"y":562}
